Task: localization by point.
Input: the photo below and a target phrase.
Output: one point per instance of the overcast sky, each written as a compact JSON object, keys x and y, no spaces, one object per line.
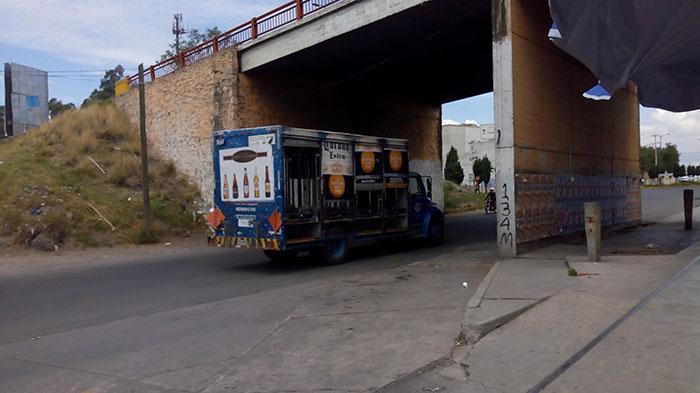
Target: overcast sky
{"x":95,"y":35}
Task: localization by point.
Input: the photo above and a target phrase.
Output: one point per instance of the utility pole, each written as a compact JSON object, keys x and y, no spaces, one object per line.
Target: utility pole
{"x":144,"y":155}
{"x":178,"y":30}
{"x":657,"y":146}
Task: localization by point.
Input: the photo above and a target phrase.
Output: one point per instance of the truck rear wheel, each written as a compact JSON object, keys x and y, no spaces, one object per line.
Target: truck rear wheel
{"x":277,"y":256}
{"x":436,"y":231}
{"x":334,"y":251}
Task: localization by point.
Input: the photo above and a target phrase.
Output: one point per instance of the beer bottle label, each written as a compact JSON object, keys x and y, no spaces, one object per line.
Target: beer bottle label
{"x":225,"y":186}
{"x":246,"y":187}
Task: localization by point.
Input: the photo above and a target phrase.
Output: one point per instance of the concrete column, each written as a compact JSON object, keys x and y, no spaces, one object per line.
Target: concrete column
{"x":554,"y":148}
{"x":504,"y":129}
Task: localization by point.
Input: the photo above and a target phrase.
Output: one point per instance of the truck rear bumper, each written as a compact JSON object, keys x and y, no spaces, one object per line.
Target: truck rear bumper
{"x":243,"y":242}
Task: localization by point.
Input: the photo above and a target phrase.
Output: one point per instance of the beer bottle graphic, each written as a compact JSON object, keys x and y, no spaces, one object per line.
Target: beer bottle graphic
{"x":226,"y":195}
{"x":235,"y":187}
{"x":256,"y":184}
{"x":267,"y":182}
{"x":246,"y":187}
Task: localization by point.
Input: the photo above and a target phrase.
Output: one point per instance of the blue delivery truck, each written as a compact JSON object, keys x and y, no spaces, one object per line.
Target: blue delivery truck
{"x":288,"y":190}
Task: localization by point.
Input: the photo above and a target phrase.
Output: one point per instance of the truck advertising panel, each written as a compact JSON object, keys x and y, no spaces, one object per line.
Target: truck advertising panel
{"x":368,"y":164}
{"x":336,"y":168}
{"x":396,"y":168}
{"x":247,"y":173}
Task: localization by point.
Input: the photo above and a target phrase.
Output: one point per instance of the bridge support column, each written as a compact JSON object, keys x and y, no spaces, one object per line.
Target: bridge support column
{"x":555,"y":150}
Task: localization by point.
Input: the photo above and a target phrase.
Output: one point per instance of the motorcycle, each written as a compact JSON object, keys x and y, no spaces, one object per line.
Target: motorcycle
{"x":490,"y":205}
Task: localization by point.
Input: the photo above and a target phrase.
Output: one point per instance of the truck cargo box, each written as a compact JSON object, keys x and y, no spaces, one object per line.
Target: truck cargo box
{"x":281,"y":188}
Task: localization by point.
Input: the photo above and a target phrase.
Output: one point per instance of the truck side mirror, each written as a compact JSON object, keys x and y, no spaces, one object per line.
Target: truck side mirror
{"x":429,"y":184}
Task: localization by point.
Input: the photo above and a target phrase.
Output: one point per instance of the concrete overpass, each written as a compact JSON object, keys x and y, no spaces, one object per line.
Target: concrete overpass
{"x":385,"y":67}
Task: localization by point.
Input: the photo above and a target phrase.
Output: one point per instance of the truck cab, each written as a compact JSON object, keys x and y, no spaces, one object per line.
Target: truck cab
{"x":425,"y":215}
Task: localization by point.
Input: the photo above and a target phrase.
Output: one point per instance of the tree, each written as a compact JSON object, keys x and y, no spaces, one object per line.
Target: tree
{"x":453,"y":169}
{"x":194,"y":38}
{"x":482,"y":170}
{"x":691,"y":170}
{"x":646,"y":158}
{"x":670,"y":157}
{"x":679,"y":171}
{"x":654,"y":172}
{"x":56,"y":107}
{"x":106,"y":90}
{"x":485,"y":170}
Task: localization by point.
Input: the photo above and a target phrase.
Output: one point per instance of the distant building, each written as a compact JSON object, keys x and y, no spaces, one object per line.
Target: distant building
{"x":472,"y":140}
{"x":667,"y":179}
{"x":26,"y":98}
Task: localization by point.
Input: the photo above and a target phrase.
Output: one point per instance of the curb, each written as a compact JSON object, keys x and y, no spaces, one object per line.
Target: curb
{"x":475,"y":331}
{"x":478,"y":296}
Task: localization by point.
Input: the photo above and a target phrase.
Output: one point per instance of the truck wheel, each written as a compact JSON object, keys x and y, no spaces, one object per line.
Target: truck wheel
{"x":277,"y":256}
{"x":436,"y":231}
{"x":334,"y":251}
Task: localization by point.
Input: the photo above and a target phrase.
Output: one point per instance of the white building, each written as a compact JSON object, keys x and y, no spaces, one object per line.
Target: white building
{"x":667,"y":179}
{"x":472,"y":141}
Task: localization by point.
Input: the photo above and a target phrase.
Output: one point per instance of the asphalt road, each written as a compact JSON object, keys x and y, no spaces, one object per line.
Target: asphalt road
{"x":41,"y":304}
{"x":46,"y":303}
{"x":658,"y":203}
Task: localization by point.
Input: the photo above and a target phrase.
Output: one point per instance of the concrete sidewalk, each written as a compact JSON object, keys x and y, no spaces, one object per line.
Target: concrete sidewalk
{"x":656,"y":350}
{"x":529,"y":317}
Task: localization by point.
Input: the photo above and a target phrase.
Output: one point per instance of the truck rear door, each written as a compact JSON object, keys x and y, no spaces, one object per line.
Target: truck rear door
{"x":248,"y":172}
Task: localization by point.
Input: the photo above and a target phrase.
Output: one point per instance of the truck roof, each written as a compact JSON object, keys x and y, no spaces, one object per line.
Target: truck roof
{"x":314,"y":134}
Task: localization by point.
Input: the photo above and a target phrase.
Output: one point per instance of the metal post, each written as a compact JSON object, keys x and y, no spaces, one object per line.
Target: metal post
{"x":181,"y":59}
{"x":592,"y":213}
{"x":152,"y":71}
{"x":215,"y":44}
{"x":254,"y":28}
{"x":300,"y":9}
{"x":144,"y":153}
{"x":688,"y":207}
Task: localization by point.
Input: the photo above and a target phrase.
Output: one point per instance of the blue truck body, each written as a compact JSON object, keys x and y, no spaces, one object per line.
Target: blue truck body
{"x":284,"y":189}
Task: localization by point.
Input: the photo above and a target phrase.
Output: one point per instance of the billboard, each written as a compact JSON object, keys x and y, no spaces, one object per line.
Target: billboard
{"x":26,"y":98}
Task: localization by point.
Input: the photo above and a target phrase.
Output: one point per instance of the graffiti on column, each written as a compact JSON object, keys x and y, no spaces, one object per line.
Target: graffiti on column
{"x":505,"y":220}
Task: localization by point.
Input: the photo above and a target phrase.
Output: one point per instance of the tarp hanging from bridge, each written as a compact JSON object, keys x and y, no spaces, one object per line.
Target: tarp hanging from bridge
{"x":653,"y":43}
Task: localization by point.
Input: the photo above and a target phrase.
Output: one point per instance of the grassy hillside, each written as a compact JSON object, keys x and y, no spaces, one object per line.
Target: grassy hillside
{"x":48,"y":182}
{"x":461,"y":199}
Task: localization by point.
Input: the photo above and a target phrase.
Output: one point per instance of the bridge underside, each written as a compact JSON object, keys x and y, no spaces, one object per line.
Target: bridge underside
{"x":390,"y":76}
{"x":387,"y":78}
{"x":437,"y":52}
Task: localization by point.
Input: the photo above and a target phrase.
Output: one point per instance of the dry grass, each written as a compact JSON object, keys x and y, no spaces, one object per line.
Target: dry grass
{"x":47,"y":177}
{"x":461,"y":199}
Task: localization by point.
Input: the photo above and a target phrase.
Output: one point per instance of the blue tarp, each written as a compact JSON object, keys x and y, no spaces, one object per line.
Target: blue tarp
{"x":653,"y":43}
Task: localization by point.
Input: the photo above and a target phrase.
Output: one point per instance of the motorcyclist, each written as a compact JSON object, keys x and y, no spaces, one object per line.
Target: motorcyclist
{"x":491,"y":199}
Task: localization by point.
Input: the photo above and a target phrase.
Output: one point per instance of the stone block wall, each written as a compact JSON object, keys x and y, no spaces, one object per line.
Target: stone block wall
{"x":183,"y":109}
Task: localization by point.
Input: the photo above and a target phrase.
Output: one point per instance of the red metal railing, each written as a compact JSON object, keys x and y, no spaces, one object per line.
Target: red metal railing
{"x":283,"y":15}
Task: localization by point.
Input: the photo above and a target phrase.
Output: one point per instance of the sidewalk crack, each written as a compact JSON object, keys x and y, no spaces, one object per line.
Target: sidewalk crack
{"x":256,"y":345}
{"x":95,"y":373}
